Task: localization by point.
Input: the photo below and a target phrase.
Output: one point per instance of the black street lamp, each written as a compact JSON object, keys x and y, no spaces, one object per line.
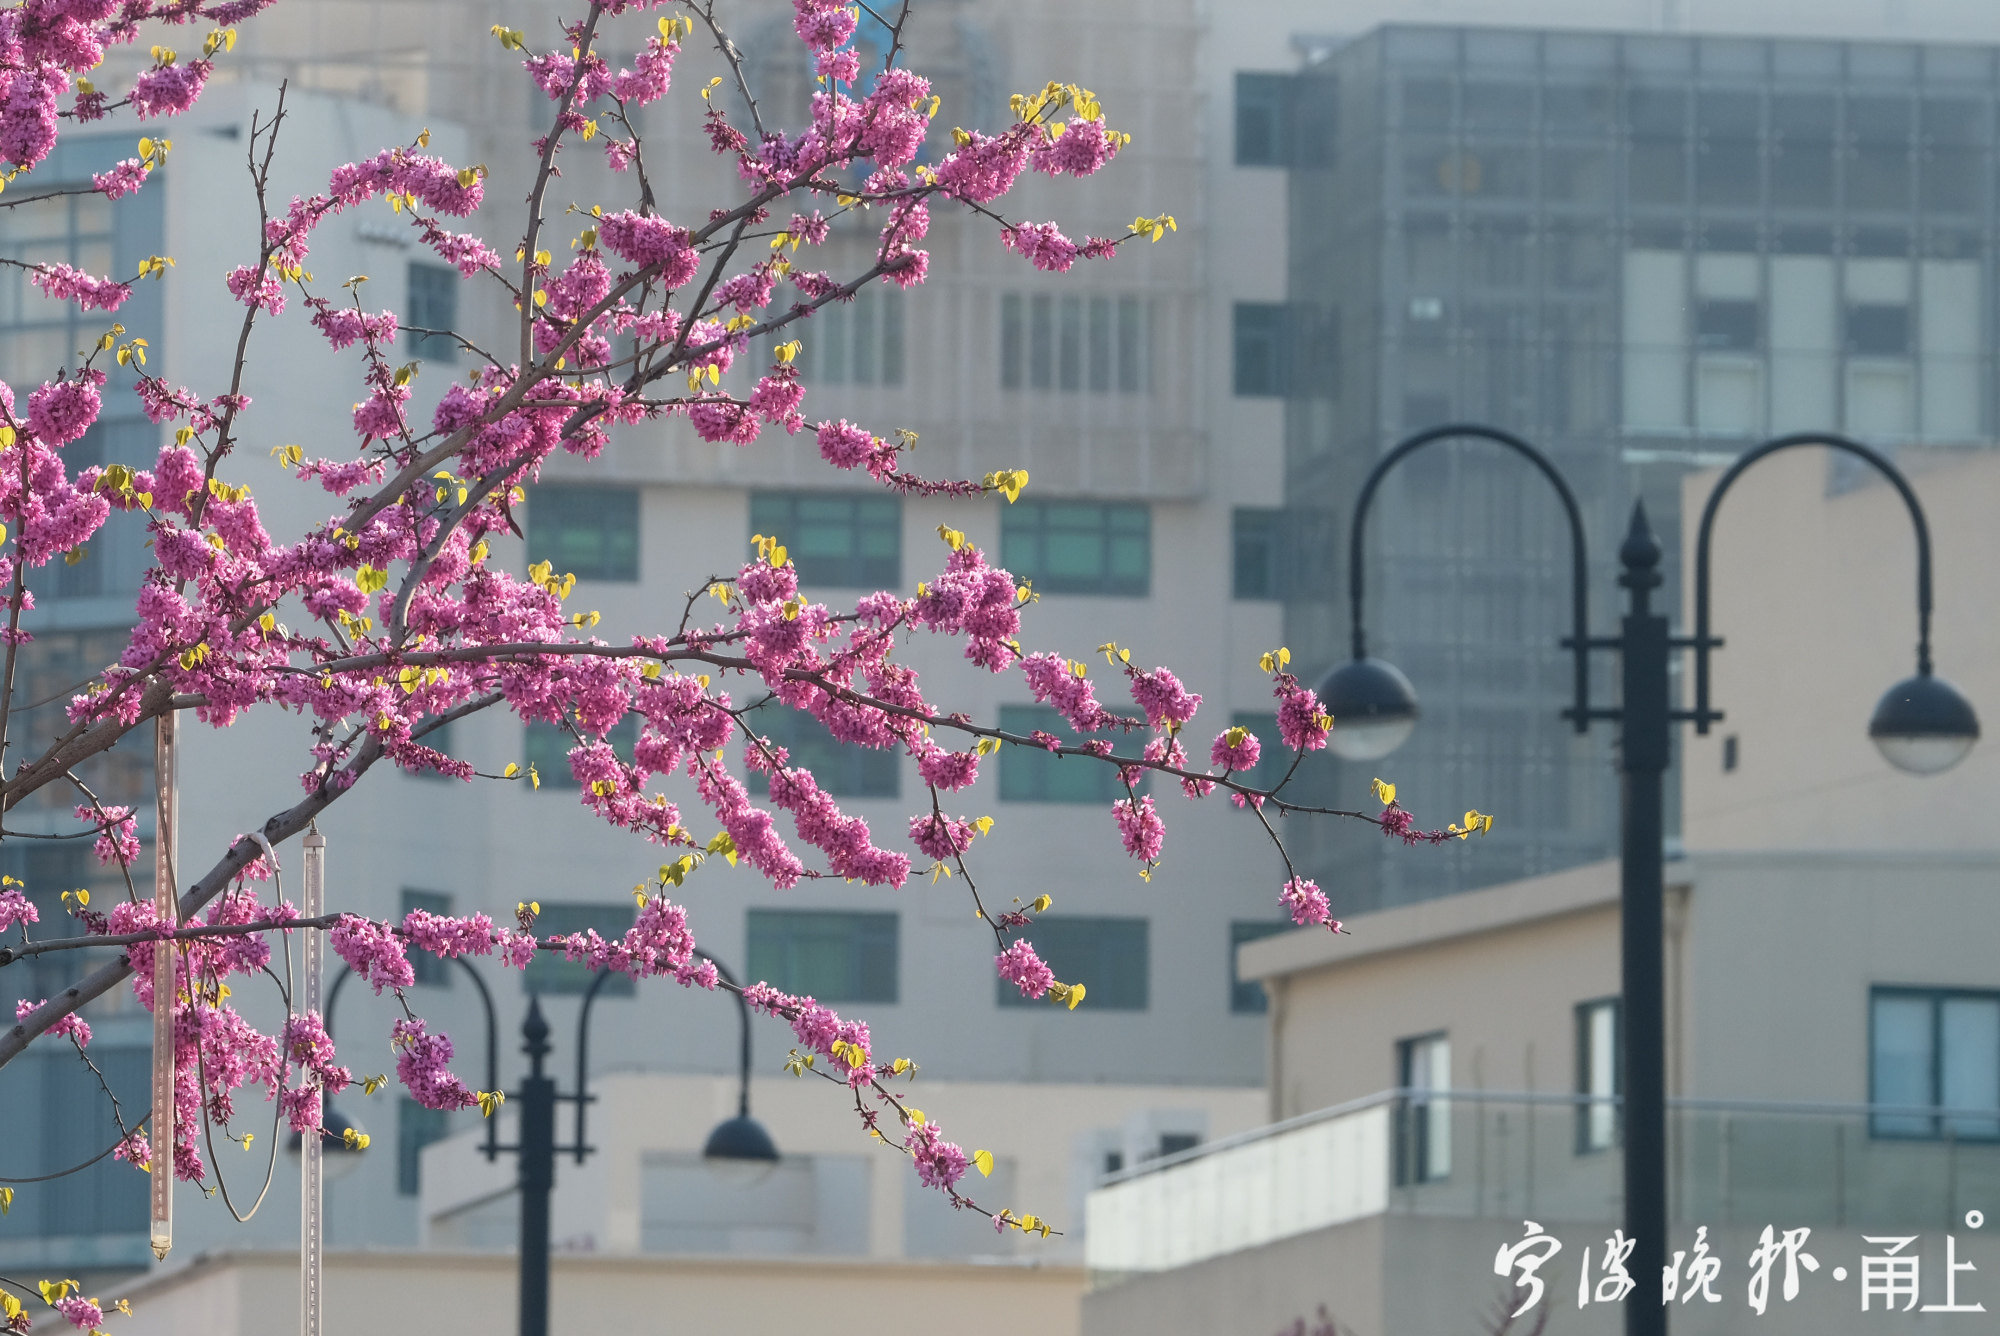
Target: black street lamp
{"x":739,"y":1141}
{"x":1922,"y":725}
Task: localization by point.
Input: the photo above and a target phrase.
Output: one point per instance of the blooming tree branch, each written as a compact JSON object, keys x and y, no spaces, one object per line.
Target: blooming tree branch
{"x":392,"y":617}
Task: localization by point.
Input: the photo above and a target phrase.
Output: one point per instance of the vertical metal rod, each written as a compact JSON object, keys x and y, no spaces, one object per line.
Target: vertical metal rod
{"x":537,"y":1173}
{"x":166,"y":906}
{"x":312,"y":1240}
{"x":1642,"y":762}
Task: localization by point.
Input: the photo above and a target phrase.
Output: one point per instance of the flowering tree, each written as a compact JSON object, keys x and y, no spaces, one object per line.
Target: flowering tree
{"x":390,"y":619}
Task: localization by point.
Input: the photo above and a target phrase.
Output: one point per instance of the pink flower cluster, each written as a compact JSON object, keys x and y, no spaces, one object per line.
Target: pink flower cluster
{"x":423,"y":1065}
{"x":1020,"y":966}
{"x":1307,"y":902}
{"x":940,"y":1164}
{"x":16,"y":908}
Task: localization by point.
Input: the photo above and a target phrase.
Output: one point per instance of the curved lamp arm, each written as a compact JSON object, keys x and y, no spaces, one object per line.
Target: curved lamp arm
{"x":492,"y":1148}
{"x":1579,"y":641}
{"x":583,"y":1042}
{"x":1703,"y":716}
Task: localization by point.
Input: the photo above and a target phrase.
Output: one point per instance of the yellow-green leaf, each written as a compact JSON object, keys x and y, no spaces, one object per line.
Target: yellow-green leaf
{"x":982,"y":1160}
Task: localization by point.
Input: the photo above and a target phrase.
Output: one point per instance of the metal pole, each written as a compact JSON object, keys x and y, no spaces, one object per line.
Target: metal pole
{"x":166,"y":906}
{"x":1642,"y":762}
{"x":312,"y":1242}
{"x":537,"y":1173}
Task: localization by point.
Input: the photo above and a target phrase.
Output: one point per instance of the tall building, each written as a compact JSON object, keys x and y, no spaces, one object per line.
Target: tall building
{"x":1642,"y":252}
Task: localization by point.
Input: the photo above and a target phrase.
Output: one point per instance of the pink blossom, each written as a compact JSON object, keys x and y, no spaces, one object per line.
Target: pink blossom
{"x":122,"y":180}
{"x":1140,"y":827}
{"x":1307,"y":903}
{"x":169,"y":90}
{"x":17,"y":908}
{"x":1020,"y":966}
{"x":1239,"y":755}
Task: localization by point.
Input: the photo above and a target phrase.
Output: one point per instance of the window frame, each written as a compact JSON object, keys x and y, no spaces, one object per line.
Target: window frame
{"x":1588,"y":1141}
{"x":1252,"y":323}
{"x":594,"y":509}
{"x":1025,"y":532}
{"x":1936,"y":997}
{"x":440,"y":284}
{"x":866,"y":513}
{"x":1420,"y":1157}
{"x":1025,"y":772}
{"x":885,"y":989}
{"x":1106,"y":992}
{"x":1270,"y":93}
{"x":1265,"y":526}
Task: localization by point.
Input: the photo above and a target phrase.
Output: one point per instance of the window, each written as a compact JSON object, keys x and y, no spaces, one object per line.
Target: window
{"x":1173,"y":1143}
{"x":1079,"y":547}
{"x":590,"y":532}
{"x":417,"y":1127}
{"x":1726,"y":326}
{"x":1423,"y":1117}
{"x":433,"y":310}
{"x":1263,"y":119}
{"x":847,"y":542}
{"x":841,"y":768}
{"x":1032,"y":775}
{"x":1246,"y":996}
{"x":835,"y":957}
{"x":77,"y":1123}
{"x":429,"y":969}
{"x":1599,"y":1120}
{"x":1073,"y":344}
{"x":1879,"y":330}
{"x":1935,"y":1049}
{"x":1106,"y":955}
{"x":859,"y":342}
{"x":1260,"y":346}
{"x":1257,"y":568}
{"x":1729,"y":753}
{"x":548,"y":747}
{"x":549,"y":974}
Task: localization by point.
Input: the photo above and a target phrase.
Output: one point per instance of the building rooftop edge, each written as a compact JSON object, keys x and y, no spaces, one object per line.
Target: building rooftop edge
{"x":1553,"y":895}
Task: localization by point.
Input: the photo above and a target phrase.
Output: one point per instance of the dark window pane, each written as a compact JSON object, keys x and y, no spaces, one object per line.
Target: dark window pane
{"x":549,"y":974}
{"x":1426,"y":103}
{"x":1657,"y":171}
{"x":1258,"y":535}
{"x":1100,"y":345}
{"x":1132,"y":351}
{"x":1246,"y":996}
{"x":1260,"y":348}
{"x":1078,"y":547}
{"x":1952,"y":180}
{"x":1878,"y":330}
{"x":1576,"y":109}
{"x":429,"y":969}
{"x":1106,"y":955}
{"x":866,"y":339}
{"x":1726,"y":326}
{"x":1263,"y":119}
{"x":1502,"y":107}
{"x":1878,"y":177}
{"x":892,"y":340}
{"x":835,"y":540}
{"x":1069,"y":358}
{"x":1012,"y":335}
{"x":590,"y":532}
{"x":1032,"y":775}
{"x":433,"y":306}
{"x":841,"y":768}
{"x":1727,"y":171}
{"x":830,"y":956}
{"x":1041,"y":342}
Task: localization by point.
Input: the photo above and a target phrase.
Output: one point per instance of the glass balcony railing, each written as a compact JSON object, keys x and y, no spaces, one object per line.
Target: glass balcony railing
{"x":1552,"y":1158}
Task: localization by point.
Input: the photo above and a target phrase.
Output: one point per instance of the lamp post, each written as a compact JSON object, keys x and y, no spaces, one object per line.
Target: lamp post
{"x":739,"y":1140}
{"x":1922,"y":725}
